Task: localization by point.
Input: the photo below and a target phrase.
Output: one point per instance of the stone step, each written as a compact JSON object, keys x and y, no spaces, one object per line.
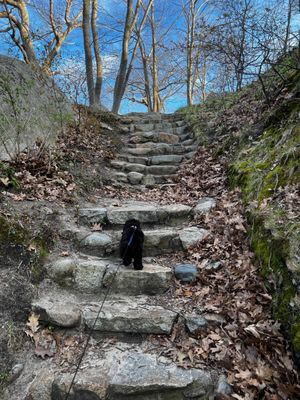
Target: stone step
{"x":138,"y":179}
{"x":154,"y":160}
{"x":144,"y":169}
{"x":156,"y":137}
{"x":188,"y":142}
{"x":161,"y":149}
{"x":157,"y":241}
{"x":159,"y":127}
{"x":120,"y":373}
{"x":118,"y":315}
{"x":149,"y":213}
{"x":186,"y":136}
{"x":94,"y":275}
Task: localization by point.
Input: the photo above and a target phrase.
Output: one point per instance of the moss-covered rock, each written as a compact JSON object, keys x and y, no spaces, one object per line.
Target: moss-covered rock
{"x":262,"y":169}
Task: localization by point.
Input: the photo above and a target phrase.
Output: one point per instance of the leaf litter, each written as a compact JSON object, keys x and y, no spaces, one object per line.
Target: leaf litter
{"x":244,"y":341}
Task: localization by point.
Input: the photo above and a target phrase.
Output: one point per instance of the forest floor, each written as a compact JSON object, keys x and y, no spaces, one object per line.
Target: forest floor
{"x":249,"y":347}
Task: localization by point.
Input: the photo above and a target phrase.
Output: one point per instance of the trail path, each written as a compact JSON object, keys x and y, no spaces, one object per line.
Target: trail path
{"x":130,"y":353}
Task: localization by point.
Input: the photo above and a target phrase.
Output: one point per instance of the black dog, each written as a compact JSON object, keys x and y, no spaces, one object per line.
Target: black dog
{"x":131,"y":245}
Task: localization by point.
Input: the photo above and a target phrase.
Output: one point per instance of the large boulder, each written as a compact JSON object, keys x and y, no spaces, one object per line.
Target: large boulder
{"x":32,"y":108}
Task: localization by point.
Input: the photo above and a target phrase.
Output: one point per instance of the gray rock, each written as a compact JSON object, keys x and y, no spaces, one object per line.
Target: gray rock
{"x":223,"y":386}
{"x":15,"y":372}
{"x":117,"y":164}
{"x":204,"y":205}
{"x":134,"y":167}
{"x":135,"y":178}
{"x":213,"y":266}
{"x":167,"y":159}
{"x":61,"y":313}
{"x":41,"y":108}
{"x":186,"y":272}
{"x":41,"y":387}
{"x":89,"y":275}
{"x":195,"y":323}
{"x":149,"y":180}
{"x":121,"y":177}
{"x":161,"y":170}
{"x":96,"y":244}
{"x":160,"y":241}
{"x":141,"y":376}
{"x":131,"y":316}
{"x":92,"y":215}
{"x":142,"y":212}
{"x":62,"y":270}
{"x":144,"y":127}
{"x":173,"y":212}
{"x":191,"y":236}
{"x":153,"y":279}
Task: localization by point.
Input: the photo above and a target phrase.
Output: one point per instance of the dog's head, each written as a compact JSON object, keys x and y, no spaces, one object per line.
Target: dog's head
{"x":132,"y":224}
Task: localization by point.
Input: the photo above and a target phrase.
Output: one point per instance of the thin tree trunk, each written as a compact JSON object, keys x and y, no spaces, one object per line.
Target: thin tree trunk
{"x":118,"y":89}
{"x":146,"y":77}
{"x":191,"y":20}
{"x":288,"y":28}
{"x":155,"y":84}
{"x":88,"y":50}
{"x":99,"y":65}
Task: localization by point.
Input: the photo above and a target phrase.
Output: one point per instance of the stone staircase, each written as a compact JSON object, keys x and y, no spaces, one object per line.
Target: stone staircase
{"x":156,"y":146}
{"x":125,"y":366}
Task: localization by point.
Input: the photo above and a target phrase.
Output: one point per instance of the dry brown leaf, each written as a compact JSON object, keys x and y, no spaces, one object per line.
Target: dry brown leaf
{"x":33,"y":322}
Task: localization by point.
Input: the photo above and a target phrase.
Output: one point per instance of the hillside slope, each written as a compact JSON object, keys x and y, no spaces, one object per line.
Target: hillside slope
{"x":260,"y":135}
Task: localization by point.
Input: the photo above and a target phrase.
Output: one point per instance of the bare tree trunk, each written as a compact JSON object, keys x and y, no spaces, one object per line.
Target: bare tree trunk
{"x":240,"y":68}
{"x":88,"y":50}
{"x":191,"y":21}
{"x":119,"y":84}
{"x":146,"y":78}
{"x":288,"y":28}
{"x":99,"y":65}
{"x":155,"y":85}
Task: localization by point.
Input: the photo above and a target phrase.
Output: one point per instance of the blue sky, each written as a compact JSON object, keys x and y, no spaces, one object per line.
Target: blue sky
{"x":110,"y":9}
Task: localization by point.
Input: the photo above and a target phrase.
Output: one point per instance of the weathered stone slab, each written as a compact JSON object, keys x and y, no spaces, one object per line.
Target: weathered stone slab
{"x":92,"y":215}
{"x":162,"y":170}
{"x":204,"y":205}
{"x":64,"y":313}
{"x":186,"y":272}
{"x":167,"y":159}
{"x":161,"y":241}
{"x":195,"y":323}
{"x":97,"y":244}
{"x":131,"y":167}
{"x":143,"y":377}
{"x":144,"y":213}
{"x":129,"y":316}
{"x":135,"y":177}
{"x":173,"y":212}
{"x":153,"y":279}
{"x":191,"y":236}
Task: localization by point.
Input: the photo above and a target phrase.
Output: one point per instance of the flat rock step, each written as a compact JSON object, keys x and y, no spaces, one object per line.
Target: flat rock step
{"x":137,"y":178}
{"x":161,"y":149}
{"x":94,"y":275}
{"x":168,"y":128}
{"x":143,"y":169}
{"x":123,"y":374}
{"x":119,"y":314}
{"x":145,"y":212}
{"x":154,"y":160}
{"x":157,"y":137}
{"x":157,"y":242}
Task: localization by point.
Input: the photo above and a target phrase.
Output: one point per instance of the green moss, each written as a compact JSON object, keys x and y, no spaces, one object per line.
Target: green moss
{"x":11,"y":232}
{"x":272,"y":253}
